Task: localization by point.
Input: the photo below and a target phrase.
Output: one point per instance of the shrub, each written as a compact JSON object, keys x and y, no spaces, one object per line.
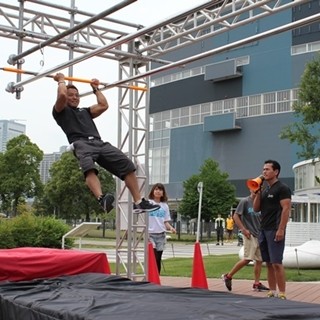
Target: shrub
{"x":6,"y":237}
{"x":28,"y":230}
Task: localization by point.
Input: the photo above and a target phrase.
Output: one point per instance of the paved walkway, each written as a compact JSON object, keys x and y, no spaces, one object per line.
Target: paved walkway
{"x":297,"y":291}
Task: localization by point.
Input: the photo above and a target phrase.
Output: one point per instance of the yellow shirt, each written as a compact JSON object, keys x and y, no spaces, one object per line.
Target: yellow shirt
{"x":230,"y":224}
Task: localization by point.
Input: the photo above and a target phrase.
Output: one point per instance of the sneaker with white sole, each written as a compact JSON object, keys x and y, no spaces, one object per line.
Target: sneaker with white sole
{"x":270,"y":294}
{"x":282,"y":296}
{"x":259,"y":287}
{"x":227,"y":281}
{"x":145,"y":206}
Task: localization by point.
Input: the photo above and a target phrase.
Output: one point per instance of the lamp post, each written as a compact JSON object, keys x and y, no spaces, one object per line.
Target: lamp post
{"x":200,"y":190}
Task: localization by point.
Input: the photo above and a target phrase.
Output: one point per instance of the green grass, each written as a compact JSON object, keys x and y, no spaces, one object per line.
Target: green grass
{"x":215,"y":266}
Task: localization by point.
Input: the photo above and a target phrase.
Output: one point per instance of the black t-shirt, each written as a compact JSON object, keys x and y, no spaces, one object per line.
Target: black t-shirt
{"x":76,"y":123}
{"x":270,"y":205}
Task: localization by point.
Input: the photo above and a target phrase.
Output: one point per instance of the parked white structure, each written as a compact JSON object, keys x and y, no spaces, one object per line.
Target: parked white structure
{"x":304,"y":223}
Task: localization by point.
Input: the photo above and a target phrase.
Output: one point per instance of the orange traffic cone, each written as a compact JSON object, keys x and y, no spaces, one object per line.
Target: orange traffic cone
{"x":199,"y":278}
{"x":153,"y":273}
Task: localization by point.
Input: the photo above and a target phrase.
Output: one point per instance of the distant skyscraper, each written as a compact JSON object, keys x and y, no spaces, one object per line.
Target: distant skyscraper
{"x":9,"y":129}
{"x":46,"y":163}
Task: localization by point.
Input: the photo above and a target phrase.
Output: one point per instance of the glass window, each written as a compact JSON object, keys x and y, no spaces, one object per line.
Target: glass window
{"x":255,"y":111}
{"x":165,"y":115}
{"x":269,"y":108}
{"x":195,"y":109}
{"x":175,"y":113}
{"x":317,"y":177}
{"x":255,"y":100}
{"x":217,"y":107}
{"x":241,"y":61}
{"x":299,"y":49}
{"x":242,"y":101}
{"x":313,"y":212}
{"x":314,"y":46}
{"x":229,"y":105}
{"x":185,"y":111}
{"x":195,"y":119}
{"x":242,"y":112}
{"x":205,"y":108}
{"x":284,"y":106}
{"x":165,"y":142}
{"x":165,"y":133}
{"x":157,"y":126}
{"x":175,"y":123}
{"x":157,"y":116}
{"x":184,"y":121}
{"x":167,"y":78}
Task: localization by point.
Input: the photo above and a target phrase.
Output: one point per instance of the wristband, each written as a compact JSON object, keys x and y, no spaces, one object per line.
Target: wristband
{"x":95,"y":90}
{"x":61,"y":82}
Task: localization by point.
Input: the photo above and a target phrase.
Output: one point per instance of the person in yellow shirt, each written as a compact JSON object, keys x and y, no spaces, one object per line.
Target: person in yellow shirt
{"x":230,"y":226}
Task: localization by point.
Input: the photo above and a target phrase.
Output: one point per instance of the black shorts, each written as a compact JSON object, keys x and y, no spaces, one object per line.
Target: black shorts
{"x":271,"y":250}
{"x":89,"y":152}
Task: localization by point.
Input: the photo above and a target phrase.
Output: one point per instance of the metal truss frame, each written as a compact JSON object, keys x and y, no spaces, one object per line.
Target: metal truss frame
{"x":133,"y":47}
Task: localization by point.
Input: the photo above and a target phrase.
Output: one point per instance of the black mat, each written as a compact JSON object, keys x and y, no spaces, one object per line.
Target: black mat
{"x":99,"y":297}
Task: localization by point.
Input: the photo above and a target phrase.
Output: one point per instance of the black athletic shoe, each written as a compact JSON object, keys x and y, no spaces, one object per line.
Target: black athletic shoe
{"x":259,"y":287}
{"x":106,"y":202}
{"x":227,"y":281}
{"x":145,"y":206}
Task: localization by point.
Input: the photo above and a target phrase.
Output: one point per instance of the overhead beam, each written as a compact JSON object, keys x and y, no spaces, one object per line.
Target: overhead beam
{"x":287,"y":27}
{"x":14,"y":58}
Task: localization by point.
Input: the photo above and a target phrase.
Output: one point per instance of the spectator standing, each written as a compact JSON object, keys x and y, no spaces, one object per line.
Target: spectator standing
{"x":219,"y":226}
{"x":274,"y":202}
{"x":248,"y":222}
{"x":229,"y":227}
{"x":159,"y":221}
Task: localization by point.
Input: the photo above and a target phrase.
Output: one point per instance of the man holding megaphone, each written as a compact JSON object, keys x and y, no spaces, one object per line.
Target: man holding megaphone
{"x":274,"y":203}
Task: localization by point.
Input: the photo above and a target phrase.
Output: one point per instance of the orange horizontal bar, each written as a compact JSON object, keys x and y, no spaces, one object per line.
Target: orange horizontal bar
{"x":9,"y":69}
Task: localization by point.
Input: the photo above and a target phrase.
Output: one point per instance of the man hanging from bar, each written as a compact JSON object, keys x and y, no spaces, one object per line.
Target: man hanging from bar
{"x":82,"y":134}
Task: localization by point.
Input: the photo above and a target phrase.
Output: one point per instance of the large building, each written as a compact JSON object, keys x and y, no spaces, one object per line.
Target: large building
{"x":10,"y":129}
{"x":231,"y":106}
{"x":47,"y":162}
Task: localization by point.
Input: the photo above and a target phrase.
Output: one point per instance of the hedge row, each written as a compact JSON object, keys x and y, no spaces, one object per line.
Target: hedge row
{"x":28,"y":230}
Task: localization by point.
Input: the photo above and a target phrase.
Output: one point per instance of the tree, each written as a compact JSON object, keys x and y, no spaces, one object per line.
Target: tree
{"x":305,"y":131}
{"x":66,"y":194}
{"x":218,"y":194}
{"x":19,"y":172}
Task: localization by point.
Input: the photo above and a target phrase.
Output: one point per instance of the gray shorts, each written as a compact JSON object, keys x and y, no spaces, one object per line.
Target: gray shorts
{"x":158,"y":240}
{"x":89,"y":152}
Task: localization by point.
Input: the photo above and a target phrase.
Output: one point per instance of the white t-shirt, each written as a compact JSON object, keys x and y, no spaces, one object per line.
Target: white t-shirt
{"x":158,"y":217}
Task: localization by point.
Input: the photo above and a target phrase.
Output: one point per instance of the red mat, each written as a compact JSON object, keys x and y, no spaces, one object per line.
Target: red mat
{"x":32,"y":263}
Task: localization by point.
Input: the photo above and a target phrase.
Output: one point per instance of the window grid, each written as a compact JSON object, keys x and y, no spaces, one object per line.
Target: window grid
{"x":240,"y":61}
{"x":248,"y":106}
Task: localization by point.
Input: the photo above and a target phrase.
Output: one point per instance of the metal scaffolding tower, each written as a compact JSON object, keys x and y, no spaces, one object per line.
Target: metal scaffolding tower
{"x":85,"y":35}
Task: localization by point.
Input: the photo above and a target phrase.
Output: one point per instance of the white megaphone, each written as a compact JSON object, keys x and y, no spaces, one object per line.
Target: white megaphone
{"x":255,"y":184}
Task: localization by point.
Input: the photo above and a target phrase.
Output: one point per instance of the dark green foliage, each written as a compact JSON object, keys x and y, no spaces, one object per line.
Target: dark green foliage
{"x":27,"y":230}
{"x":218,"y":193}
{"x":19,"y":173}
{"x":6,"y":236}
{"x":67,"y":196}
{"x":305,"y":131}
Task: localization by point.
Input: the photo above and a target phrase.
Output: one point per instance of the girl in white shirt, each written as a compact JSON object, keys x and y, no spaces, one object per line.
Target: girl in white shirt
{"x":159,"y":221}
